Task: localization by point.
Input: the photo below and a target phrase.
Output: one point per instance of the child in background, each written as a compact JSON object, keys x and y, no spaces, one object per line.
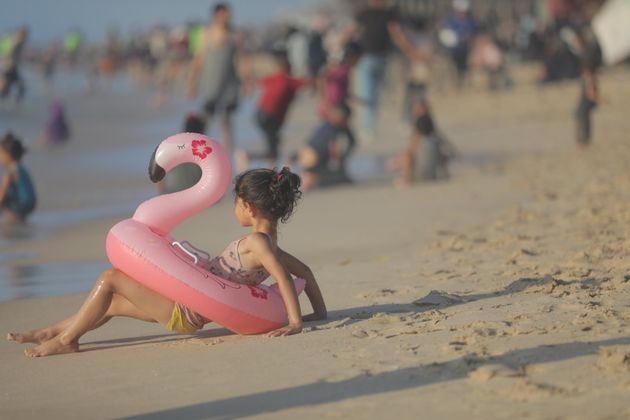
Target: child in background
{"x":278,"y":91}
{"x":57,"y":128}
{"x":322,"y":158}
{"x":418,"y":78}
{"x":335,"y":83}
{"x":17,"y":193}
{"x":436,"y":151}
{"x":264,"y":197}
{"x":487,"y":55}
{"x":187,"y":174}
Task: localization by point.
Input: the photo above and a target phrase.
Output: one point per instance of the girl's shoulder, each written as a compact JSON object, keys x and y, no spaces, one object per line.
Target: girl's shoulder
{"x":256,"y":241}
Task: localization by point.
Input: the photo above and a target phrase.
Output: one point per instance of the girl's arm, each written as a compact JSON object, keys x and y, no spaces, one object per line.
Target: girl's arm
{"x":314,"y":294}
{"x":259,"y":246}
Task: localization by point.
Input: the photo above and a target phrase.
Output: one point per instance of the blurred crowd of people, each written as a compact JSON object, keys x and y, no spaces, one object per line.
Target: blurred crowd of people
{"x":213,"y":63}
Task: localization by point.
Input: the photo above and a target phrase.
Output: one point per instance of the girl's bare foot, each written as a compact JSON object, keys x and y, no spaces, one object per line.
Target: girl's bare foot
{"x":52,"y":346}
{"x":34,"y":336}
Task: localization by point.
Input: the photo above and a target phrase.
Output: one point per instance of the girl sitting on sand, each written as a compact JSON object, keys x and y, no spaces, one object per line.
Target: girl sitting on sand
{"x":263,"y":196}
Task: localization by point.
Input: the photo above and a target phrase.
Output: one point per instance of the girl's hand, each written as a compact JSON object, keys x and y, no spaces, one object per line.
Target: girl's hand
{"x":286,"y":330}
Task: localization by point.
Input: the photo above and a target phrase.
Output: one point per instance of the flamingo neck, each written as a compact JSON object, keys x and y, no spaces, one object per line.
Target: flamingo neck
{"x":163,"y":213}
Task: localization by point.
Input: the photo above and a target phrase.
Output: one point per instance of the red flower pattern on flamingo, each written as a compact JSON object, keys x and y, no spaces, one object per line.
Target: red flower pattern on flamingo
{"x":200,"y":148}
{"x":257,"y":292}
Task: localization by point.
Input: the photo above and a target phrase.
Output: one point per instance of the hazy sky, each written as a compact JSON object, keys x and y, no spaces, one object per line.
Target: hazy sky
{"x":51,"y":18}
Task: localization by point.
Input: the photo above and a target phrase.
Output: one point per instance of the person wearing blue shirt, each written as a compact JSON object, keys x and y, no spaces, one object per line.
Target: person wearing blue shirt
{"x":463,"y":27}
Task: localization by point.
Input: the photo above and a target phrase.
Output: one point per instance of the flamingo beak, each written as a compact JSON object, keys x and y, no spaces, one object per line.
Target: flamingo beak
{"x":156,"y":172}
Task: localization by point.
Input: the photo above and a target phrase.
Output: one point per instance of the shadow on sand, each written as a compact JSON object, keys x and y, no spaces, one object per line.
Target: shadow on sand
{"x":322,"y":392}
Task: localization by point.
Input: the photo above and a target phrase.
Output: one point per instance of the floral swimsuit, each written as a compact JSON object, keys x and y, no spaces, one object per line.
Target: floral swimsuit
{"x":227,"y":266}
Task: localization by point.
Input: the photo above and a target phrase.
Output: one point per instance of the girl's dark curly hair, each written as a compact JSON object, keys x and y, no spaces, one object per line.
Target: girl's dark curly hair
{"x":274,"y":193}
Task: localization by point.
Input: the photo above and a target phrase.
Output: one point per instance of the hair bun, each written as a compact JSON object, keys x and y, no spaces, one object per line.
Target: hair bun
{"x":273,"y":192}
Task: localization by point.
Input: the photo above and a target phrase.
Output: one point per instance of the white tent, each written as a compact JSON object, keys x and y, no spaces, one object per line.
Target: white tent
{"x":612,"y":29}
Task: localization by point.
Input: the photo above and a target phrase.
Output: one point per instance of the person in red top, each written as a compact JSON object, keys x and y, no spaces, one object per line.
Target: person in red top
{"x":278,"y":91}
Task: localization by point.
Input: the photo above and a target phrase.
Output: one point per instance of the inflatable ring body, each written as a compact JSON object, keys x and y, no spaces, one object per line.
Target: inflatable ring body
{"x":143,"y":248}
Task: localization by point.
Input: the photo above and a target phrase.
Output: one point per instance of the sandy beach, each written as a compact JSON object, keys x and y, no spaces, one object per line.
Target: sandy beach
{"x":502,"y":293}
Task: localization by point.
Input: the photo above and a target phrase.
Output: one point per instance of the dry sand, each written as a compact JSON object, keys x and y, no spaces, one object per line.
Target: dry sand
{"x":500,"y":294}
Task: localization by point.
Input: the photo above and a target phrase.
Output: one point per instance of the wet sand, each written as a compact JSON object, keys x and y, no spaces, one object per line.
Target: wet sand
{"x":499,"y":294}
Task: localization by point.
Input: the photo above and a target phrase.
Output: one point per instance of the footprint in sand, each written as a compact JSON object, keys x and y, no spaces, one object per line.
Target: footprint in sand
{"x":438,"y":298}
{"x":527,"y":390}
{"x":377,"y":294}
{"x":486,"y":372}
{"x":339,"y":323}
{"x":614,"y":359}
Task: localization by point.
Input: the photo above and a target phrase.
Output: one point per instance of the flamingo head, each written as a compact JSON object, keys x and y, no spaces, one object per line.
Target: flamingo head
{"x":164,"y":212}
{"x":183,"y":148}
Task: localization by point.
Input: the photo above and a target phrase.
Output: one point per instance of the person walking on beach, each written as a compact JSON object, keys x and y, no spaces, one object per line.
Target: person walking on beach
{"x":462,"y":27}
{"x":264,"y":197}
{"x":589,"y":91}
{"x":11,"y":72}
{"x":377,"y":26}
{"x":215,"y":71}
{"x":17,"y":193}
{"x":317,"y":56}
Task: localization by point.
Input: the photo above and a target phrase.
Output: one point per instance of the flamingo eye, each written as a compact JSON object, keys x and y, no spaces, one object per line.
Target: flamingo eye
{"x":181,"y":146}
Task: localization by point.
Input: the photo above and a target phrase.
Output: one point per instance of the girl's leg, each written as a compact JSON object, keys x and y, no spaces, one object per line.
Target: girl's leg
{"x":95,"y":308}
{"x":119,"y":306}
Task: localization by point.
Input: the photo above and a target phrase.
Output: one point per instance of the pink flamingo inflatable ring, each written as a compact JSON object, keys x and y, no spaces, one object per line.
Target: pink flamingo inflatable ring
{"x":143,"y":248}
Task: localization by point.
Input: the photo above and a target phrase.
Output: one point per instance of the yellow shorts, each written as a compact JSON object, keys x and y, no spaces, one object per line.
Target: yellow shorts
{"x":179,"y":323}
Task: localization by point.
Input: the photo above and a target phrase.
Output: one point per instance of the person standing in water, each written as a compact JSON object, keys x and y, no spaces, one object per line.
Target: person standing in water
{"x":215,"y":71}
{"x":11,"y":73}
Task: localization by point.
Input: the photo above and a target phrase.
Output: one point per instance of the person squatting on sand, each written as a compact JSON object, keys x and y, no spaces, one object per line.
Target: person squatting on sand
{"x":57,"y":129}
{"x":262,"y":198}
{"x":17,"y":193}
{"x":323,"y":158}
{"x":434,"y":150}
